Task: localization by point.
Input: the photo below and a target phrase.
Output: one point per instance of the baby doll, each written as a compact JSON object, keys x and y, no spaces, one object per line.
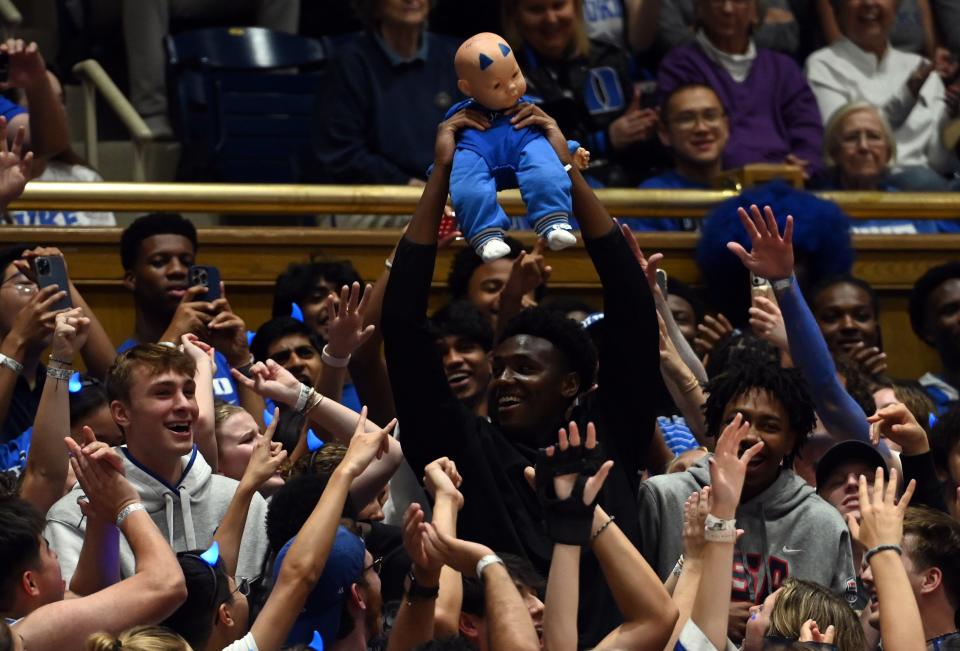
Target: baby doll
{"x":503,"y":157}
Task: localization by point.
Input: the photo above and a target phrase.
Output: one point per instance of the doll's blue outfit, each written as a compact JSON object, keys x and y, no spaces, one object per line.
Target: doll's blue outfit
{"x":499,"y":158}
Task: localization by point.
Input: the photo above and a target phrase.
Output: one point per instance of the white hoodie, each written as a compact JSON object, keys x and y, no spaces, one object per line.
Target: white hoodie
{"x":187,"y":515}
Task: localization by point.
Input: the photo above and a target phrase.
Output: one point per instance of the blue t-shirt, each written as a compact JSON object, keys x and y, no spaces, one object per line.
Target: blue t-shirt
{"x":9,"y":109}
{"x":223,"y":387}
{"x":671,"y":180}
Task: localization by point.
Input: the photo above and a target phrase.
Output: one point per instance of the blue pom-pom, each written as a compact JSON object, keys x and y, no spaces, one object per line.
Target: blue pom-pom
{"x":485,"y":61}
{"x":212,"y":555}
{"x":313,"y":441}
{"x":296,"y":312}
{"x":932,"y":419}
{"x":75,"y":385}
{"x":317,"y":642}
{"x":504,"y":49}
{"x":250,"y":336}
{"x":267,"y":416}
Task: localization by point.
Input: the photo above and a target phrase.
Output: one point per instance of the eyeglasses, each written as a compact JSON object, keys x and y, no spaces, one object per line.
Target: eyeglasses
{"x":243,"y":587}
{"x":376,"y":566}
{"x":688,"y":119}
{"x":281,"y":357}
{"x":854,"y":138}
{"x":20,"y":284}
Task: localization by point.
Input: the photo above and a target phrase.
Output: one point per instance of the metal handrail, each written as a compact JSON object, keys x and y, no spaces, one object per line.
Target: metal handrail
{"x":9,"y":14}
{"x":393,"y":200}
{"x":94,"y":78}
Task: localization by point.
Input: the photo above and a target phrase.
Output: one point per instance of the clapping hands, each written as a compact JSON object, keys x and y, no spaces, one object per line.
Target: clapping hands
{"x":99,"y":469}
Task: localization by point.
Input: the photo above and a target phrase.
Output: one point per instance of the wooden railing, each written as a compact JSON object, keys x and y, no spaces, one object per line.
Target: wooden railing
{"x":251,"y":257}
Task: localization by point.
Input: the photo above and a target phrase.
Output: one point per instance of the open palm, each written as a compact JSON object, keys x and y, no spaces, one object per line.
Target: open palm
{"x":771,"y":256}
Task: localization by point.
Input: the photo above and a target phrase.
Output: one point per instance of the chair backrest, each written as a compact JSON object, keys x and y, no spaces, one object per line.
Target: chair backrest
{"x":244,"y":97}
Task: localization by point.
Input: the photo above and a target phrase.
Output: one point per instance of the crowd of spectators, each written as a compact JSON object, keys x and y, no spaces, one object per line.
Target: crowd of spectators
{"x":513,"y":471}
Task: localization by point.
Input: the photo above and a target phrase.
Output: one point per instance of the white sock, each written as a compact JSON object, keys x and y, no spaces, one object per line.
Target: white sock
{"x":560,"y":238}
{"x":494,"y":250}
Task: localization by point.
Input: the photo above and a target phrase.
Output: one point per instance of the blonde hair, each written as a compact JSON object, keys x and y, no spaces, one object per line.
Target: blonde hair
{"x":222,"y":412}
{"x":802,"y":600}
{"x":831,"y":135}
{"x":138,"y":638}
{"x":508,"y":20}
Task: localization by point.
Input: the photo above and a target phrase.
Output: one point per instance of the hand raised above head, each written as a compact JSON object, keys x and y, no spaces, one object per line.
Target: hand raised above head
{"x":442,"y":480}
{"x":881,"y":514}
{"x":345,"y":329}
{"x":365,"y":446}
{"x":771,"y":255}
{"x":728,"y":470}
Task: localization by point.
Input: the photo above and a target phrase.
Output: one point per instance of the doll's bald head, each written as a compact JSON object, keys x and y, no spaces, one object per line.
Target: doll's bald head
{"x":488,"y":71}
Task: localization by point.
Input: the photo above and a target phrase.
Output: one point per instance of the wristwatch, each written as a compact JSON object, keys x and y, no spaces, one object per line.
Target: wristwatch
{"x":417,"y":592}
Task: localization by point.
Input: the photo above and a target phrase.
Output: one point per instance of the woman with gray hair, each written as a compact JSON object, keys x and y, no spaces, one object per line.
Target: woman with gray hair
{"x":859,"y":151}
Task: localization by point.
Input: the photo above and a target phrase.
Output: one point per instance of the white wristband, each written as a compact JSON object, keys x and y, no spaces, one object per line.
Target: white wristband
{"x":127,"y":510}
{"x":782,"y":284}
{"x":489,"y":559}
{"x":331,"y":360}
{"x":305,"y":392}
{"x":718,"y":530}
{"x":11,"y":364}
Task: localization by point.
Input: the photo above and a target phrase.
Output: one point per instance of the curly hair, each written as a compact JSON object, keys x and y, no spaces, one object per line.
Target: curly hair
{"x":786,"y":385}
{"x":462,"y":319}
{"x":565,"y":334}
{"x":299,"y":280}
{"x":744,"y":347}
{"x":466,"y":261}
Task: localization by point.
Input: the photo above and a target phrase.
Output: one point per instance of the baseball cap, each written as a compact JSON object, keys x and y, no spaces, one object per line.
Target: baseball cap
{"x":845,"y":452}
{"x":321,"y":612}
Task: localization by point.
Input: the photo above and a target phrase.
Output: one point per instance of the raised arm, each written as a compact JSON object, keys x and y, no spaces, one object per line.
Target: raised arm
{"x":684,"y":582}
{"x":265,"y":460}
{"x":46,"y":124}
{"x":46,"y":473}
{"x":308,"y":554}
{"x":368,"y":368}
{"x":771,"y":257}
{"x":712,"y":606}
{"x":228,"y":334}
{"x":156,"y":589}
{"x":880,"y":532}
{"x":421,"y":393}
{"x":345,"y":333}
{"x":204,"y":430}
{"x":442,"y":481}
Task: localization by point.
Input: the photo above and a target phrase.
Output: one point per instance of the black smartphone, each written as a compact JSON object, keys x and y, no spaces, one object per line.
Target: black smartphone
{"x":4,"y":66}
{"x":51,"y":270}
{"x":209,"y":277}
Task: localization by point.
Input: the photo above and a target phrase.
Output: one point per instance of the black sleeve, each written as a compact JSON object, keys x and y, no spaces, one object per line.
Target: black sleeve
{"x":433,"y":422}
{"x":928,"y":491}
{"x":630,"y":355}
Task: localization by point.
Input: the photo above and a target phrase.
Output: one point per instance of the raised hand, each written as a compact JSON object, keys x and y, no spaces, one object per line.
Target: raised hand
{"x":695,"y":511}
{"x":442,"y":480}
{"x":345,"y":330}
{"x":649,"y":265}
{"x":461,"y":555}
{"x":446,"y":142}
{"x":106,"y":489}
{"x":70,"y":334}
{"x":711,"y":332}
{"x":528,"y":271}
{"x":414,"y":542}
{"x":670,"y":359}
{"x":809,"y":632}
{"x":767,"y":322}
{"x":267,"y":456}
{"x":727,"y":470}
{"x":228,"y":332}
{"x":895,"y":422}
{"x":869,"y":359}
{"x":14,"y":164}
{"x":192,"y":316}
{"x":36,"y":321}
{"x":365,"y":446}
{"x":26,"y":64}
{"x":771,"y":256}
{"x":881,"y":515}
{"x":271,"y":380}
{"x":199,"y":351}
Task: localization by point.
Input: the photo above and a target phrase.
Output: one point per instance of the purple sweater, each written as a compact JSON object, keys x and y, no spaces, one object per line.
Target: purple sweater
{"x":772,"y":112}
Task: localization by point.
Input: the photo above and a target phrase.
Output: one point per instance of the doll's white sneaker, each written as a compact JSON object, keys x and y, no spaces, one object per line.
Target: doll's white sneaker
{"x":494,"y":250}
{"x":560,"y":238}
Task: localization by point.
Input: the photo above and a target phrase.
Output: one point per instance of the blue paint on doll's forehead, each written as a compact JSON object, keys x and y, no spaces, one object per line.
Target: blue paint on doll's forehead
{"x":486,"y":62}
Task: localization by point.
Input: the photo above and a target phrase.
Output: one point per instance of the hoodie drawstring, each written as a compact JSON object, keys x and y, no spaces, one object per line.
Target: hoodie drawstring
{"x":187,"y":514}
{"x":168,"y":511}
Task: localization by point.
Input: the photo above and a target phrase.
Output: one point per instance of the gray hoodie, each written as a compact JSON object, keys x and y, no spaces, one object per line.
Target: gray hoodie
{"x":187,"y":515}
{"x":788,"y":531}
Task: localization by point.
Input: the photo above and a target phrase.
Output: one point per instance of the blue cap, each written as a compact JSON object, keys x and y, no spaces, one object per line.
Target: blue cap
{"x":321,"y":612}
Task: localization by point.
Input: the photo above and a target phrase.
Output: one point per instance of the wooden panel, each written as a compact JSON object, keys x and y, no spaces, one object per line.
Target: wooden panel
{"x":251,"y":258}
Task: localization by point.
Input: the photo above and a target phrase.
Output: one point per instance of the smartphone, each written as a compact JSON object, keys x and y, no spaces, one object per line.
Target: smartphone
{"x":209,"y":277}
{"x":4,"y":66}
{"x":662,"y":281}
{"x":51,"y":270}
{"x":448,"y":224}
{"x":759,"y":285}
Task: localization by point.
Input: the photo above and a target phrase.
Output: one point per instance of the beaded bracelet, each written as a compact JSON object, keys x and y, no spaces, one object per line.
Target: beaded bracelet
{"x":602,"y":528}
{"x":59,"y":373}
{"x":881,"y":548}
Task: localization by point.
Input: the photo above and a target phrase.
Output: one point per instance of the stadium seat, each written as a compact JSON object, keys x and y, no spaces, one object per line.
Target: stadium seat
{"x":241,"y":101}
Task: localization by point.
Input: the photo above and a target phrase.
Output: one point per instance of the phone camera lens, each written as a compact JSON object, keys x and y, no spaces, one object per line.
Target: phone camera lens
{"x":43,"y":266}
